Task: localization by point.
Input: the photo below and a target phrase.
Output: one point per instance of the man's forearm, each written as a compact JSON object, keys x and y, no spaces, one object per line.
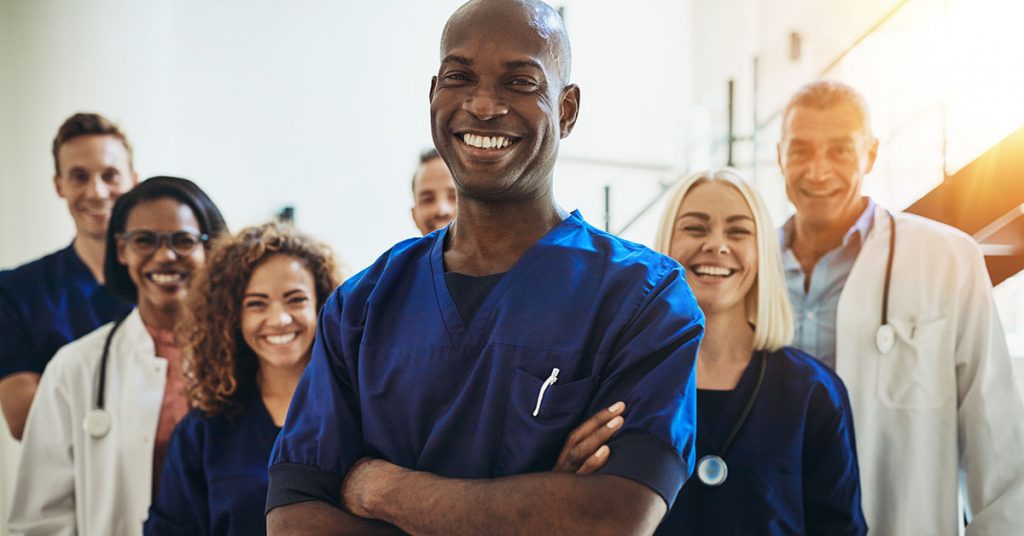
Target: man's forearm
{"x":314,"y":517}
{"x":541,"y":503}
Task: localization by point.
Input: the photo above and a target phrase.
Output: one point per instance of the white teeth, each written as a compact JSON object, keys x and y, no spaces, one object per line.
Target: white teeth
{"x":485,"y":142}
{"x":712,"y":270}
{"x":281,"y":339}
{"x":165,"y":278}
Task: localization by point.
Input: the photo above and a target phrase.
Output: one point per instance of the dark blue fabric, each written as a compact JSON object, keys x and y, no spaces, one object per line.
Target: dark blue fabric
{"x":214,"y":480}
{"x":397,"y":374}
{"x":46,"y":304}
{"x":793,"y":465}
{"x":469,"y":292}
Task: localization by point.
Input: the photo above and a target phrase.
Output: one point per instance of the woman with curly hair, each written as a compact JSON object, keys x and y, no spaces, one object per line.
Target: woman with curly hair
{"x":249,"y":330}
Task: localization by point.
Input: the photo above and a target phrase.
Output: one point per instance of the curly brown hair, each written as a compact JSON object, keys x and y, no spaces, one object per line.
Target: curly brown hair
{"x":217,"y":361}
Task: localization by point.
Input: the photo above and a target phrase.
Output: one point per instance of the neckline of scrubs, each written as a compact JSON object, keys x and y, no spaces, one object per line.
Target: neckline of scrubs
{"x":449,"y":312}
{"x":716,"y":432}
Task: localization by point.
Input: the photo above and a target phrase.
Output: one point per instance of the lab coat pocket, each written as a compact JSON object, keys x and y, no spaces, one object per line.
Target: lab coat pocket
{"x":532,"y":442}
{"x":914,"y":374}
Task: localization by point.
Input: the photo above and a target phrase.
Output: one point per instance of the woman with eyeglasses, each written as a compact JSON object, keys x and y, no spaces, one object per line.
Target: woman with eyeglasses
{"x":249,"y":327}
{"x":98,"y":429}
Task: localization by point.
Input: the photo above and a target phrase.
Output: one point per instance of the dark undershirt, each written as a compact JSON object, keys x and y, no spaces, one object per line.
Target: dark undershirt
{"x":711,"y":410}
{"x":469,"y":292}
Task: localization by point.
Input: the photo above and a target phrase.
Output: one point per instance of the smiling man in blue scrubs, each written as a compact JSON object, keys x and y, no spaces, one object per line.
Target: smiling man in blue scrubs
{"x":51,"y":301}
{"x":446,"y":377}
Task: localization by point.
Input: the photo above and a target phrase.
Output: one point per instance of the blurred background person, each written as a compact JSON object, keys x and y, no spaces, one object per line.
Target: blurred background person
{"x":901,"y":308}
{"x":52,"y":301}
{"x":107,"y":403}
{"x":433,"y":193}
{"x":249,"y":330}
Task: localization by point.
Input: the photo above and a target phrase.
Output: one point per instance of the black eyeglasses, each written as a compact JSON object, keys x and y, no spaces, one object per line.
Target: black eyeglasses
{"x":146,"y":242}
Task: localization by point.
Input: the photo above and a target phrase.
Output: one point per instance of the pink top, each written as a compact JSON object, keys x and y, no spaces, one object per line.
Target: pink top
{"x":175,"y":403}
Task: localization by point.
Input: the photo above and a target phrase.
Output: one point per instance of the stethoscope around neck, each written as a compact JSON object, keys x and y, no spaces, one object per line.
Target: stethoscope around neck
{"x":885,"y":336}
{"x":97,"y":421}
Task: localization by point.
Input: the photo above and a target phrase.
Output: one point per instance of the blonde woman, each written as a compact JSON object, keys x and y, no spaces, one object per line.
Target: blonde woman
{"x":775,"y":442}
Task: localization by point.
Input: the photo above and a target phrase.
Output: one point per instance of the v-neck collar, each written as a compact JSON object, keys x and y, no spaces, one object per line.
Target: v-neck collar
{"x":453,"y":321}
{"x":734,"y":407}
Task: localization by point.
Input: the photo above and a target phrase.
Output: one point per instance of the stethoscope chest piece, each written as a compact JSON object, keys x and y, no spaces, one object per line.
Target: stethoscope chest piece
{"x":96,"y":423}
{"x":712,"y":470}
{"x":885,"y":338}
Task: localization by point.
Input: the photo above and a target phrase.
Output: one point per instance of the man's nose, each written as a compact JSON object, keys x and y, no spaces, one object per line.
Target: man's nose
{"x":445,"y":208}
{"x":818,"y":168}
{"x":485,"y":104}
{"x":98,"y":188}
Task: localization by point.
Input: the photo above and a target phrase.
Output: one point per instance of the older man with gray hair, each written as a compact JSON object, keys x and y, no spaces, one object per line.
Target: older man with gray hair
{"x":901,"y":307}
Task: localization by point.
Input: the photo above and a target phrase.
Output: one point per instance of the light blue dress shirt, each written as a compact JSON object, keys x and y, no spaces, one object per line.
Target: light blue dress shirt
{"x":815,"y":310}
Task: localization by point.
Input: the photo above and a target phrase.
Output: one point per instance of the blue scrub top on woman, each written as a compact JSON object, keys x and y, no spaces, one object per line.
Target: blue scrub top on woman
{"x":46,"y":304}
{"x":792,"y":468}
{"x":214,"y":480}
{"x":397,"y":373}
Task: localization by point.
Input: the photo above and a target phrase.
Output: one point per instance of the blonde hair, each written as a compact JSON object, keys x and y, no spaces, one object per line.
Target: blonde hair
{"x":767,"y":302}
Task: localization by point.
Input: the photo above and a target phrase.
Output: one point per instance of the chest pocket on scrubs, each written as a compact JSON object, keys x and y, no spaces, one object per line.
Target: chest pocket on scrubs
{"x":532,"y":443}
{"x":915,"y":373}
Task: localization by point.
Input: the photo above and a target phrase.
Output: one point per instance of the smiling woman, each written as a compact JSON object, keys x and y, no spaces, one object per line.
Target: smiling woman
{"x":122,"y":383}
{"x":250,"y":327}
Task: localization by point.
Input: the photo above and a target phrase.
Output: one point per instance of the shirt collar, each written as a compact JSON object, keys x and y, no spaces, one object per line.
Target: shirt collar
{"x":860,"y":228}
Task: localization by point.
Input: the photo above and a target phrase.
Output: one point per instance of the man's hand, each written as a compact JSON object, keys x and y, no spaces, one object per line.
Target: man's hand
{"x":585,"y":450}
{"x":366,"y":482}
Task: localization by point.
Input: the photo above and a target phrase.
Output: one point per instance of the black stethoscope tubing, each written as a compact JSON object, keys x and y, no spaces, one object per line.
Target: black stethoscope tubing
{"x":719,"y":457}
{"x":97,"y":421}
{"x":885,"y":337}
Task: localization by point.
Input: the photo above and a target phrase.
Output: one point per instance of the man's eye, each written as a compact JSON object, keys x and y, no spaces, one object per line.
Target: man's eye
{"x":79,"y":177}
{"x":456,"y":77}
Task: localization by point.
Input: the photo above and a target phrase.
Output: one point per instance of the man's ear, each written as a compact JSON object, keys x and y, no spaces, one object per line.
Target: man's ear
{"x":872,"y":155}
{"x":58,"y":185}
{"x":135,"y":178}
{"x":433,"y":85}
{"x":778,"y":156}
{"x":568,"y":108}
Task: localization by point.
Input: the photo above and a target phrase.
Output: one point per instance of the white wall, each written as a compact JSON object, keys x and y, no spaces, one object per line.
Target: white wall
{"x":318,"y":104}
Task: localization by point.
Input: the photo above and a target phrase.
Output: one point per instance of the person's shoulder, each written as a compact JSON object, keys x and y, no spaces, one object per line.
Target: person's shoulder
{"x":797,"y":366}
{"x":33,"y":273}
{"x":621,"y":254}
{"x":78,"y":357}
{"x":926,"y":231}
{"x":359,"y":286}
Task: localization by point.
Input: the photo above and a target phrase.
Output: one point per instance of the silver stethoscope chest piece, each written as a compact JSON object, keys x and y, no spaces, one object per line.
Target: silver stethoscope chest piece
{"x":712,"y":470}
{"x":96,"y":423}
{"x":885,"y":338}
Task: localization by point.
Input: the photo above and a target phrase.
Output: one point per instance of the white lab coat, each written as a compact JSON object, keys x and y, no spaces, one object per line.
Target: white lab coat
{"x":943,"y":402}
{"x":69,"y":482}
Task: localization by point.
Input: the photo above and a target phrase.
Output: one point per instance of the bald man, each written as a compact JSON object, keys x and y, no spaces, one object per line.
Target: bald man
{"x":446,"y":377}
{"x":433,"y":193}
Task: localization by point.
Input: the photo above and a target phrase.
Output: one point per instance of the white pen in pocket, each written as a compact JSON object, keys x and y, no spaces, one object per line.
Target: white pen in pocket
{"x":544,"y":387}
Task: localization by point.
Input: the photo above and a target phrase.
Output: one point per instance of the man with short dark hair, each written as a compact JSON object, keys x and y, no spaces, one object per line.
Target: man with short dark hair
{"x":433,"y":193}
{"x":901,"y":307}
{"x":446,"y":377}
{"x":52,"y":301}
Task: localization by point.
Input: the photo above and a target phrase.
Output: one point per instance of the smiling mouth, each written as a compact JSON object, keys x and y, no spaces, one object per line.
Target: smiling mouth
{"x":167,"y":278}
{"x":705,"y":270}
{"x":284,"y":338}
{"x":493,"y":143}
{"x":818,"y":193}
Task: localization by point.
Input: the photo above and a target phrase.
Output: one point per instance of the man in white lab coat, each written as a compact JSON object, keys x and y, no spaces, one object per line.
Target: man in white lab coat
{"x":934,"y":401}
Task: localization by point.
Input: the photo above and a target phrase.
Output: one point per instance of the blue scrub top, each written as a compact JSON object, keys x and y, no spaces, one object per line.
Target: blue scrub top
{"x":793,"y":465}
{"x":46,"y":304}
{"x":214,"y":480}
{"x":397,"y":374}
